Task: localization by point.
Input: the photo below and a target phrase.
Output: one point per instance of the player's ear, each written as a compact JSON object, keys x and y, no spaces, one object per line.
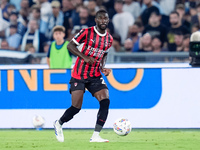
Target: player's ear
{"x":95,"y":19}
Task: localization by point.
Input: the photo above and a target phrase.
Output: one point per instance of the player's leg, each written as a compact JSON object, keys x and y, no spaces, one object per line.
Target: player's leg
{"x":99,"y":90}
{"x":77,"y":99}
{"x":77,"y":91}
{"x":103,"y":97}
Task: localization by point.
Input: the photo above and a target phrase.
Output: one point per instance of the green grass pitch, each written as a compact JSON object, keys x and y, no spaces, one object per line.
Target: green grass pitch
{"x":138,"y":139}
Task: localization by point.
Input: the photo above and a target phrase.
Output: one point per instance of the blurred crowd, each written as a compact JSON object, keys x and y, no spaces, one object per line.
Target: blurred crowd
{"x":136,"y":25}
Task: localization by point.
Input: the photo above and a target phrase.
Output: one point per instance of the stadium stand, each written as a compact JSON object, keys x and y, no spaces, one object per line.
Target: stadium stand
{"x":169,"y":24}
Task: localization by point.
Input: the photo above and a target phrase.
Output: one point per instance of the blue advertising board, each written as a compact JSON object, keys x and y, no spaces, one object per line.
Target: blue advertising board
{"x":49,"y":89}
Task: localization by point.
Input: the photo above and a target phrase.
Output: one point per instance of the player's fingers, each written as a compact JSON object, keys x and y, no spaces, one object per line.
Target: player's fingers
{"x":93,"y":61}
{"x":96,"y":60}
{"x":108,"y":72}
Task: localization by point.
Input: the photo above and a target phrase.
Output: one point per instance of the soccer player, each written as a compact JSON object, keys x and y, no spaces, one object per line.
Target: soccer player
{"x":94,"y":43}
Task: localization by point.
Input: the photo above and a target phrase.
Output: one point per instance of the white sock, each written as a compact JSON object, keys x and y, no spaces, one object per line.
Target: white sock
{"x":95,"y":134}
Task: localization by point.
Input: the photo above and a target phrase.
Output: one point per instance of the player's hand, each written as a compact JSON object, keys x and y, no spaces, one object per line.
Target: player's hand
{"x":90,"y":60}
{"x":106,"y":71}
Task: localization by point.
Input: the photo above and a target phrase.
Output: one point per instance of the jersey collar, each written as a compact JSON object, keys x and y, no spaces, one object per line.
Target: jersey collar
{"x":99,"y":33}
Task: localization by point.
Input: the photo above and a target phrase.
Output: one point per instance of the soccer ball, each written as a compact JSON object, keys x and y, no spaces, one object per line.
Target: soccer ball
{"x":122,"y":126}
{"x":38,"y":121}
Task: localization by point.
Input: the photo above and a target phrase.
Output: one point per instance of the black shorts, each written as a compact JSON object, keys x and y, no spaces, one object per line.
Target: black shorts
{"x":93,"y":85}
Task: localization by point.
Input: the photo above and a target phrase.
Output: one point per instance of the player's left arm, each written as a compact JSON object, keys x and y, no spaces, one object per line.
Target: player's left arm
{"x":105,"y":71}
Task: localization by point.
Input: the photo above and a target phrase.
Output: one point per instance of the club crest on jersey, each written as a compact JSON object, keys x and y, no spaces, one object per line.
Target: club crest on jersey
{"x":92,"y":40}
{"x":75,"y":84}
{"x":106,"y":44}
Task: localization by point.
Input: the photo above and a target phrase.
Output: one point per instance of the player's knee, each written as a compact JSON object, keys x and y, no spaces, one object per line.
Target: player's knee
{"x":103,"y":97}
{"x":102,"y":94}
{"x":104,"y":104}
{"x":78,"y":106}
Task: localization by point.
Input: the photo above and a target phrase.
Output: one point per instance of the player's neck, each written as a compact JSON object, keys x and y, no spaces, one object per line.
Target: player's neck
{"x":100,"y":31}
{"x":60,"y":42}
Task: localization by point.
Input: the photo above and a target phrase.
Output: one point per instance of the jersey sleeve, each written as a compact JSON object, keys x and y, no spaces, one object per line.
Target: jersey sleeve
{"x":80,"y":37}
{"x":110,"y":44}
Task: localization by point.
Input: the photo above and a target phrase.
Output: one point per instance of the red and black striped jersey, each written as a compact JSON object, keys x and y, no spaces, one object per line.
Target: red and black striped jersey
{"x":92,"y":44}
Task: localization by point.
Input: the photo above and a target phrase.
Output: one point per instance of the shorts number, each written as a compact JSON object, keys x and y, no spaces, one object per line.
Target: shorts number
{"x":102,"y":80}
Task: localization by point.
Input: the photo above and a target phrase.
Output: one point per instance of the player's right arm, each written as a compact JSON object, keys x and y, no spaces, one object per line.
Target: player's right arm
{"x":72,"y":47}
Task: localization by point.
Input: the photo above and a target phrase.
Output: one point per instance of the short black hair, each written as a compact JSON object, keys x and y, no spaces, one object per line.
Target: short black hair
{"x":13,"y":26}
{"x":138,"y":23}
{"x":14,"y":13}
{"x":174,"y":12}
{"x":100,"y":11}
{"x":186,"y":36}
{"x":198,"y":5}
{"x":178,"y":33}
{"x":157,"y":13}
{"x":156,"y":37}
{"x":119,"y":1}
{"x":36,"y":8}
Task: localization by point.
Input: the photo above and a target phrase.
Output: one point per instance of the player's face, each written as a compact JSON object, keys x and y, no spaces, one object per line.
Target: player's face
{"x":102,"y":21}
{"x":58,"y":35}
